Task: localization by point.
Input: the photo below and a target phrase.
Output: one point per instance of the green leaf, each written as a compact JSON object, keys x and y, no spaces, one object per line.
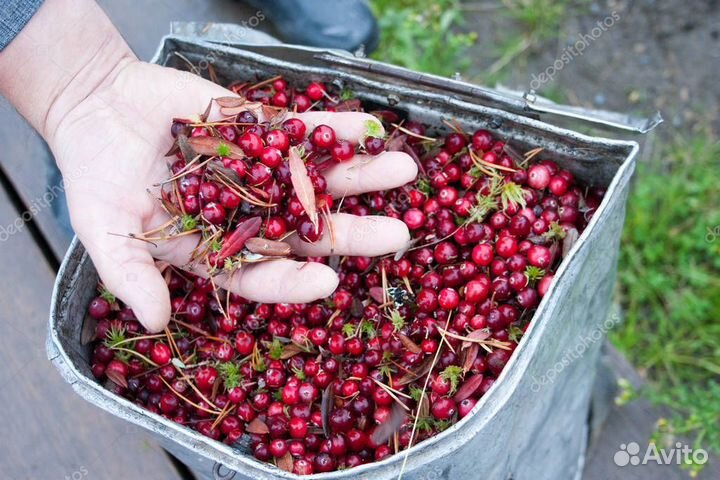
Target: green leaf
{"x":230,"y":373}
{"x":346,"y":94}
{"x":276,"y":349}
{"x":397,"y":320}
{"x":416,"y":393}
{"x":223,"y":150}
{"x":512,"y":193}
{"x":373,"y":128}
{"x":188,"y":222}
{"x":533,"y":273}
{"x":114,"y":337}
{"x":105,"y":294}
{"x":452,"y":374}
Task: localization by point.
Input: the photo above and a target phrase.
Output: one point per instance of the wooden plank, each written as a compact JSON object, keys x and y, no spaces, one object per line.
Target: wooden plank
{"x":28,"y":163}
{"x":48,"y":430}
{"x":633,"y":422}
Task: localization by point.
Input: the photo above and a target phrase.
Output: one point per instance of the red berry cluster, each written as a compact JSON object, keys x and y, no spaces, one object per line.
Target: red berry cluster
{"x":406,"y":345}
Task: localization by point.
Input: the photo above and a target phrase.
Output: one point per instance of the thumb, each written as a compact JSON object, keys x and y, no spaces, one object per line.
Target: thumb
{"x":128,"y":271}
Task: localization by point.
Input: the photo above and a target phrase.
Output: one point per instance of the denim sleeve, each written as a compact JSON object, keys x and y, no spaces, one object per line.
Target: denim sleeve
{"x":14,"y":15}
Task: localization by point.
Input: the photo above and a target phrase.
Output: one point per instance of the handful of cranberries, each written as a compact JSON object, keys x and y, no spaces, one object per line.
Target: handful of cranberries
{"x":404,"y":348}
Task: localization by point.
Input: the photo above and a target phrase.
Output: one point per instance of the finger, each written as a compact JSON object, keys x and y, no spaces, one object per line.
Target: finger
{"x":367,"y":173}
{"x":126,"y":268}
{"x":350,"y":126}
{"x":368,"y":236}
{"x":279,"y":281}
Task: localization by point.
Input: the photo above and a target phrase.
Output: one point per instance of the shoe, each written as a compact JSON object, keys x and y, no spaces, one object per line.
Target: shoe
{"x":343,"y":24}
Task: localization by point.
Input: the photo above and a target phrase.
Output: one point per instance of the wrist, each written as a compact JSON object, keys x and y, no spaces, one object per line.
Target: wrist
{"x":67,"y":51}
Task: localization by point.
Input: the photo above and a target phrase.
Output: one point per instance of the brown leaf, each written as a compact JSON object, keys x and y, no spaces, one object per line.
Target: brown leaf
{"x":285,"y":462}
{"x":468,"y":387}
{"x":216,"y":167}
{"x":87,"y":334}
{"x":303,"y":185}
{"x":236,"y":240}
{"x":174,"y":148}
{"x":270,"y":248}
{"x":273,"y":115}
{"x":230,"y":101}
{"x":376,"y":293}
{"x":326,"y":406}
{"x":231,"y":111}
{"x":290,"y":350}
{"x":571,"y":236}
{"x":117,"y":378}
{"x":258,"y":427}
{"x":348,"y":106}
{"x":210,"y":146}
{"x":470,"y":356}
{"x":185,"y":148}
{"x":409,"y":344}
{"x":396,"y":143}
{"x":421,"y":370}
{"x":171,"y":208}
{"x":387,"y":429}
{"x":476,"y":336}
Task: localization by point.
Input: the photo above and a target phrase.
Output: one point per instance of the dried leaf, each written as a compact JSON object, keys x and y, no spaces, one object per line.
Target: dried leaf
{"x":396,"y":143}
{"x":171,"y":208}
{"x":421,"y":371}
{"x":348,"y":106}
{"x":185,"y":148}
{"x":231,"y":111}
{"x":274,"y":115}
{"x":216,"y":167}
{"x":411,"y":346}
{"x":387,"y":429}
{"x":117,"y":378}
{"x":476,"y":336}
{"x":87,"y":334}
{"x":470,"y":356}
{"x":270,"y":248}
{"x":215,"y":147}
{"x":174,"y":148}
{"x":303,"y":185}
{"x":326,"y":405}
{"x":230,"y":101}
{"x":468,"y":387}
{"x":571,"y":236}
{"x":258,"y":427}
{"x":290,"y":350}
{"x":236,"y":240}
{"x":285,"y":462}
{"x":377,"y":294}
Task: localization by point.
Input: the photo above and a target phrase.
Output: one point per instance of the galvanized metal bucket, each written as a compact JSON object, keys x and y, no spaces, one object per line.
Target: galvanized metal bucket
{"x":533,"y":423}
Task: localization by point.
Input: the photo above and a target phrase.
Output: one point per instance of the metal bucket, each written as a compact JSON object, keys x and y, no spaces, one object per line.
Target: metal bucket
{"x":533,"y":423}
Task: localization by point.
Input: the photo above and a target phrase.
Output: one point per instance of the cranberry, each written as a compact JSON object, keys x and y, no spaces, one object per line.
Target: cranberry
{"x":342,"y":151}
{"x":251,"y":144}
{"x":323,"y":137}
{"x":99,"y":308}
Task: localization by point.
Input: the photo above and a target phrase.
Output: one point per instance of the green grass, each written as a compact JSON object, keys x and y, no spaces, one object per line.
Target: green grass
{"x":422,"y":35}
{"x":669,"y":284}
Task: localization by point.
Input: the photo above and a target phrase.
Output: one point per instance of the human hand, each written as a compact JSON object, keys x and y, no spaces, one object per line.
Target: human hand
{"x":117,"y":138}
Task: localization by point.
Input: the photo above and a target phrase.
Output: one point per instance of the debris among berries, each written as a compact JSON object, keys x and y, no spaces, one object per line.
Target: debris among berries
{"x":404,"y":348}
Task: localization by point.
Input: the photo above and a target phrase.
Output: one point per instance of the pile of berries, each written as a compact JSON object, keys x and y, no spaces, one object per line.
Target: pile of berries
{"x":406,"y":345}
